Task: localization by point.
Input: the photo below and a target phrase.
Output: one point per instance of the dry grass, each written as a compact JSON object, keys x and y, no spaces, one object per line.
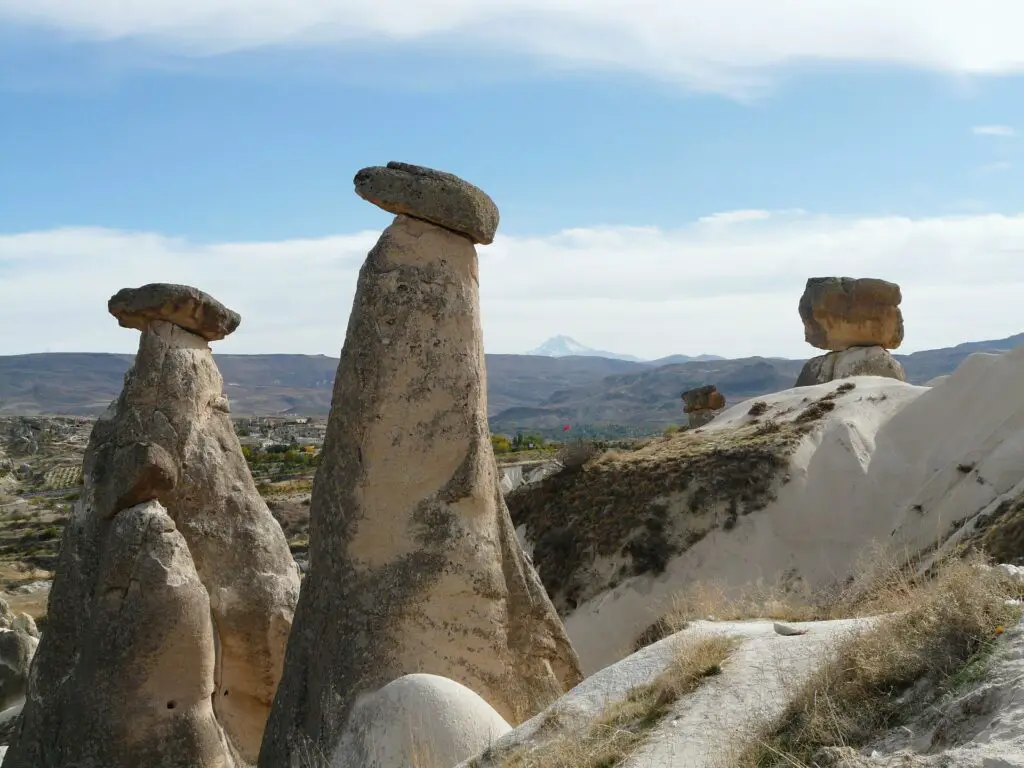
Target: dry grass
{"x":624,"y":726}
{"x":877,"y":678}
{"x":614,"y":506}
{"x":1001,"y":534}
{"x":637,"y":509}
{"x":573,"y":456}
{"x":883,"y":584}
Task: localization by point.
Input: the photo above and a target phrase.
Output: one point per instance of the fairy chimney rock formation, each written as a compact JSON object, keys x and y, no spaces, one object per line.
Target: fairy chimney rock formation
{"x":702,"y":404}
{"x":414,"y":564}
{"x":858,"y":321}
{"x":435,"y":196}
{"x":165,"y":482}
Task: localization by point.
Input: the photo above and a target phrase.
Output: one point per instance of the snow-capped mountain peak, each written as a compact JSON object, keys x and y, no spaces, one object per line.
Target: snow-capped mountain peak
{"x":564,"y":346}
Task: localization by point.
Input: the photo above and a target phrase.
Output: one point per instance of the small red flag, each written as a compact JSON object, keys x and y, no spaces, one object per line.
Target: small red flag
{"x":566,"y":428}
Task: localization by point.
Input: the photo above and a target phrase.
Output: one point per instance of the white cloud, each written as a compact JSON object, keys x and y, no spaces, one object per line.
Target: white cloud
{"x":990,"y":169}
{"x":1003,"y":131}
{"x":718,"y":45}
{"x":650,"y":292}
{"x":728,"y":218}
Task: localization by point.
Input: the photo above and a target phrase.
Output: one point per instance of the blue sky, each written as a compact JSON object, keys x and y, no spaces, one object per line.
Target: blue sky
{"x":190,"y":142}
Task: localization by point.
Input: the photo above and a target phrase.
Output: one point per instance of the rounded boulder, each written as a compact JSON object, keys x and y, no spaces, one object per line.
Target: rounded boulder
{"x":418,"y":720}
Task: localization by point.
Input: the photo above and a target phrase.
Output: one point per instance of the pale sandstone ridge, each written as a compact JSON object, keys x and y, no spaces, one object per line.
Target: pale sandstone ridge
{"x":182,"y":305}
{"x":702,"y":404}
{"x":125,"y":672}
{"x":859,"y":320}
{"x":435,"y":196}
{"x":414,"y":564}
{"x":167,"y":438}
{"x":843,"y":312}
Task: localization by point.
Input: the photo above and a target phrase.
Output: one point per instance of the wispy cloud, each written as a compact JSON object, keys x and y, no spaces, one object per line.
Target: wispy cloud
{"x":1003,"y":131}
{"x":990,"y":169}
{"x":716,"y":46}
{"x":729,"y":218}
{"x":652,"y":292}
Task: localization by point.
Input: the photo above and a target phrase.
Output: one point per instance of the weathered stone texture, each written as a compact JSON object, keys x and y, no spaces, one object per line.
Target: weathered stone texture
{"x":843,"y":312}
{"x":16,"y":651}
{"x":435,"y":196}
{"x":706,"y":398}
{"x":125,"y":671}
{"x":857,"y":361}
{"x":414,"y":564}
{"x":168,"y":439}
{"x":184,"y":306}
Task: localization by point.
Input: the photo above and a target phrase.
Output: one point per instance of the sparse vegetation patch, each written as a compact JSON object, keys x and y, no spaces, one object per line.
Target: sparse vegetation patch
{"x":624,"y":726}
{"x":645,"y":506}
{"x":1001,"y":534}
{"x":758,"y":408}
{"x":879,"y":677}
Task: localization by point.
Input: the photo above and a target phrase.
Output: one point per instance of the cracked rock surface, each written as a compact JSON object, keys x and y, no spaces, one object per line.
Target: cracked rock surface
{"x":166,"y":440}
{"x":414,"y":564}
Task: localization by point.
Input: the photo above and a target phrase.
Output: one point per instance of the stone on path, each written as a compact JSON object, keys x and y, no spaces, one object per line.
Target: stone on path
{"x":787,"y":629}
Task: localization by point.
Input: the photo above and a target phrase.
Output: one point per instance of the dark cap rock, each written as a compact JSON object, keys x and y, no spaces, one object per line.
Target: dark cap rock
{"x":181,"y":305}
{"x":435,"y":196}
{"x":706,"y":398}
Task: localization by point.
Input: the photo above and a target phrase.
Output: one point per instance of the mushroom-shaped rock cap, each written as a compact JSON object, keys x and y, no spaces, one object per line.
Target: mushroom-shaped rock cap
{"x":181,"y":305}
{"x":435,"y":196}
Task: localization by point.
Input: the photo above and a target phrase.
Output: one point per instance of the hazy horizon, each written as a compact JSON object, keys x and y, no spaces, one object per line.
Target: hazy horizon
{"x":668,"y":176}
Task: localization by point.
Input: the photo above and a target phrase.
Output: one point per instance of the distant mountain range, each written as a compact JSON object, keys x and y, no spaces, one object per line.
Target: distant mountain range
{"x":564,"y":346}
{"x":525,"y":392}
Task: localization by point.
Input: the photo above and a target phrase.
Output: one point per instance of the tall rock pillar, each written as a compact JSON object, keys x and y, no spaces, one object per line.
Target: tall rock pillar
{"x":414,"y":564}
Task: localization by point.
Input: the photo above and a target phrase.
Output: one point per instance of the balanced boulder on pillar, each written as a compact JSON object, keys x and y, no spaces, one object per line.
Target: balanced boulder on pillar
{"x":165,"y":481}
{"x":414,"y":563}
{"x":858,"y":320}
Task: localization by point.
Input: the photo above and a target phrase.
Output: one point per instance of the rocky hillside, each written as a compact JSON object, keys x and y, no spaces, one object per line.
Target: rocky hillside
{"x":525,"y":392}
{"x":792,"y":486}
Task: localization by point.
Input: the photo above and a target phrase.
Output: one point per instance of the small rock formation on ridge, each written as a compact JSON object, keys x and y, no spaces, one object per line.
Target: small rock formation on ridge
{"x":18,"y":640}
{"x":414,"y":564}
{"x":174,"y":592}
{"x":702,"y":404}
{"x":858,"y":320}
